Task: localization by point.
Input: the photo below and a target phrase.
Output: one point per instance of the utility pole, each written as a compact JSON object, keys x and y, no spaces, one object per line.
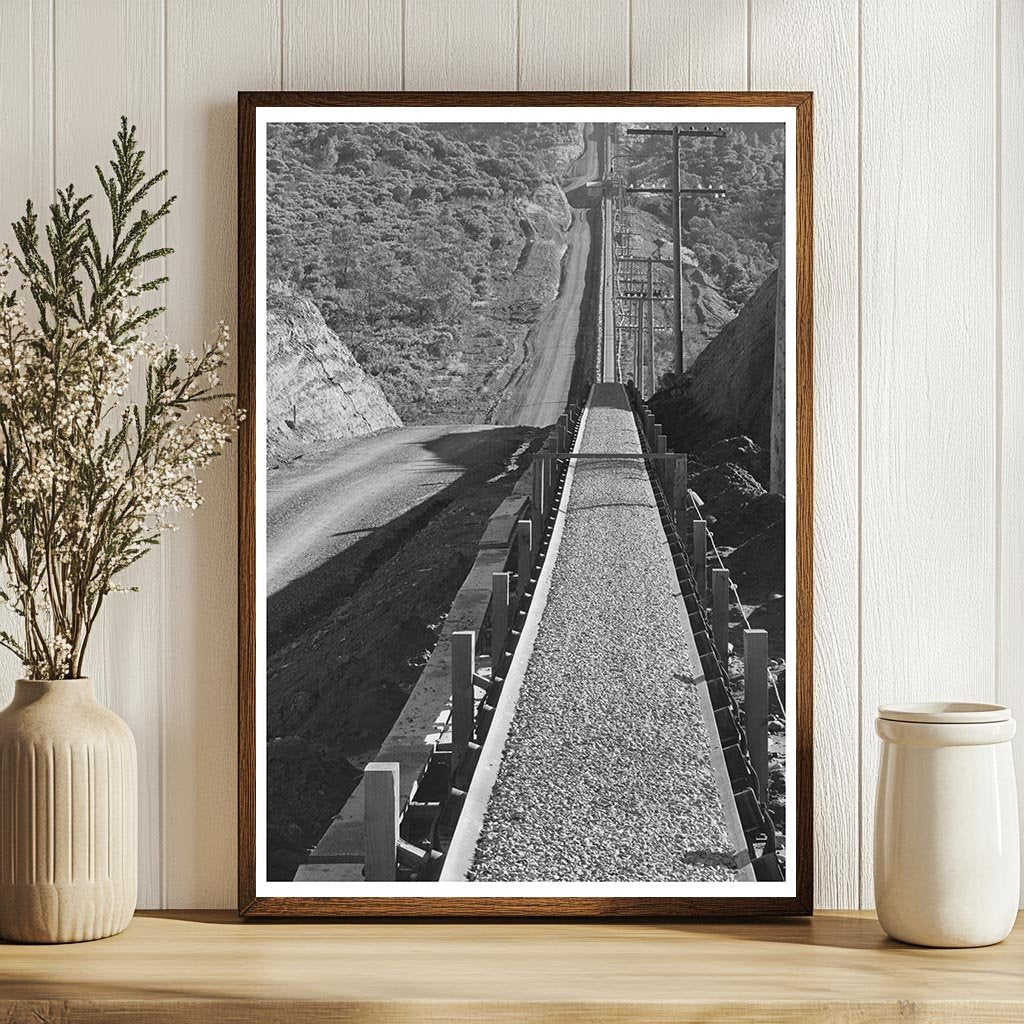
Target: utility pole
{"x":777,"y":480}
{"x":677,"y":193}
{"x":650,"y":320}
{"x":677,"y":259}
{"x":639,"y":340}
{"x":642,"y":290}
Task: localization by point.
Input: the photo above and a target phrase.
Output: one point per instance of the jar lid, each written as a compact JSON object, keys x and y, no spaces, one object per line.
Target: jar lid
{"x":945,"y":713}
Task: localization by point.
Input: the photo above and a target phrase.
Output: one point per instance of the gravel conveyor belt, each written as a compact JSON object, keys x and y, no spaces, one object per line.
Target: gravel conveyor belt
{"x":606,"y":774}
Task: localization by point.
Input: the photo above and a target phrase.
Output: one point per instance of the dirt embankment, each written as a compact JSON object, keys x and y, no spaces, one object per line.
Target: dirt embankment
{"x":519,"y":305}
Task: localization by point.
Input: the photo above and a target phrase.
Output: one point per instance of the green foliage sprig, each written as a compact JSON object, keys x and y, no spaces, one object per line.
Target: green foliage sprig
{"x":89,"y":476}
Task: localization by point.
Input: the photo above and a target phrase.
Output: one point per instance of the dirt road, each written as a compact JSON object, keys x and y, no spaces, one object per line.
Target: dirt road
{"x":543,"y":389}
{"x":323,"y":504}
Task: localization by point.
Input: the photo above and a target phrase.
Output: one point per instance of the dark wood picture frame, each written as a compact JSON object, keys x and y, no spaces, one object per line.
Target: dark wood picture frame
{"x":482,"y":906}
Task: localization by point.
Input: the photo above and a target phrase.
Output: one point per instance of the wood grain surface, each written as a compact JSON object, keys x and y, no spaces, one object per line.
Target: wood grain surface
{"x":203,"y":967}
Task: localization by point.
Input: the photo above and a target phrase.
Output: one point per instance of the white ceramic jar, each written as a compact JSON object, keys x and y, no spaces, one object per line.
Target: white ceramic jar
{"x":947,"y":848}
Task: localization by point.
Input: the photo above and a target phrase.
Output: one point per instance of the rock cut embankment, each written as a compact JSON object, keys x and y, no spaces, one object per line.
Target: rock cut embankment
{"x":728,"y":390}
{"x":316,"y":391}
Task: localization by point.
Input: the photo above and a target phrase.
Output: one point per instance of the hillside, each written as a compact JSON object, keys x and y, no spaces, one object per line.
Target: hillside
{"x":704,"y":310}
{"x":428,"y":248}
{"x":734,"y":239}
{"x":316,"y":391}
{"x":728,"y":390}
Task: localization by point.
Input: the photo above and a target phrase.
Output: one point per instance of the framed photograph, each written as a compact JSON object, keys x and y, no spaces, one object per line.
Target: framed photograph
{"x":525,"y":504}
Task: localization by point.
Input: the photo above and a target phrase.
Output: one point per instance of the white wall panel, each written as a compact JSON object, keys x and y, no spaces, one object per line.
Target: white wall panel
{"x":780,"y":59}
{"x":693,"y":44}
{"x":574,"y":44}
{"x":342,"y":44}
{"x":928,"y":358}
{"x":26,"y":106}
{"x":466,"y":45}
{"x":214,"y":50}
{"x":1010,"y":370}
{"x":26,"y":169}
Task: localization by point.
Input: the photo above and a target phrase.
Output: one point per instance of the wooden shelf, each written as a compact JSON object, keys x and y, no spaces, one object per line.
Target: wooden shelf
{"x":198,"y":967}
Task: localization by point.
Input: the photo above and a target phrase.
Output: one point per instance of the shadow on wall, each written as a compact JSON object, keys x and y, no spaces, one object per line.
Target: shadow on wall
{"x":201,"y":563}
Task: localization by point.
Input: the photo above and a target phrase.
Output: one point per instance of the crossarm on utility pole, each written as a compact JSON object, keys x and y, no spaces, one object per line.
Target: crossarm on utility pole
{"x":674,"y":189}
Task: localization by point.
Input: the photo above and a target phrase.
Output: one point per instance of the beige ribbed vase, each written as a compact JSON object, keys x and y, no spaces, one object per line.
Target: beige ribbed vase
{"x":68,"y":812}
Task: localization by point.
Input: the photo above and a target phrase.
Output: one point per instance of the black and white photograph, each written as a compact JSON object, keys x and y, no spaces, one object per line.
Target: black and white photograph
{"x":525,"y":554}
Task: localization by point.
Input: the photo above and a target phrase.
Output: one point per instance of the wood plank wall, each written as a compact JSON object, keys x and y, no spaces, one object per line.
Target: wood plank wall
{"x":919,"y":156}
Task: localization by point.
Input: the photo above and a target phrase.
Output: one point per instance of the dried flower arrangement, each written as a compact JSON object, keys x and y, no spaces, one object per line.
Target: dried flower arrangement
{"x":90,"y":476}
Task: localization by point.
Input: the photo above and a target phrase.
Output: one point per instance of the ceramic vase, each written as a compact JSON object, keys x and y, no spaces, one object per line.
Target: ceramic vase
{"x":947,"y":848}
{"x":68,"y":813}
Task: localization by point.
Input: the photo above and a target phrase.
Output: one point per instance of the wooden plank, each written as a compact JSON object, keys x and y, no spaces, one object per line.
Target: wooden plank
{"x":524,"y":543}
{"x":699,"y":44}
{"x":782,"y":57}
{"x":755,"y":703}
{"x":380,"y":781}
{"x":574,"y":44}
{"x":538,"y":505}
{"x":499,"y":614}
{"x":462,"y":668}
{"x":720,"y":612}
{"x":468,"y":45}
{"x":502,"y":524}
{"x":680,"y":488}
{"x":342,"y":44}
{"x":26,"y":120}
{"x":330,"y":873}
{"x":700,"y":558}
{"x":663,"y":468}
{"x":928,"y":406}
{"x":126,"y":656}
{"x":213,"y":50}
{"x":1010,"y":264}
{"x":211,"y":968}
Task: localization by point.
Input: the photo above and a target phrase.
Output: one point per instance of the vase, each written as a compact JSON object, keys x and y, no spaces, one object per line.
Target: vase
{"x":947,"y":848}
{"x":68,"y":815}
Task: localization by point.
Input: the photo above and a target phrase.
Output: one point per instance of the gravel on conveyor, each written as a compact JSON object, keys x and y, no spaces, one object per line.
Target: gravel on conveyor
{"x":606,"y":774}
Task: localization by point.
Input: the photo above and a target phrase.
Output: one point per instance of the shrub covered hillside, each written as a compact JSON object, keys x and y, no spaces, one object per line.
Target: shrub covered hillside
{"x":735,"y":239}
{"x":427,"y":248}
